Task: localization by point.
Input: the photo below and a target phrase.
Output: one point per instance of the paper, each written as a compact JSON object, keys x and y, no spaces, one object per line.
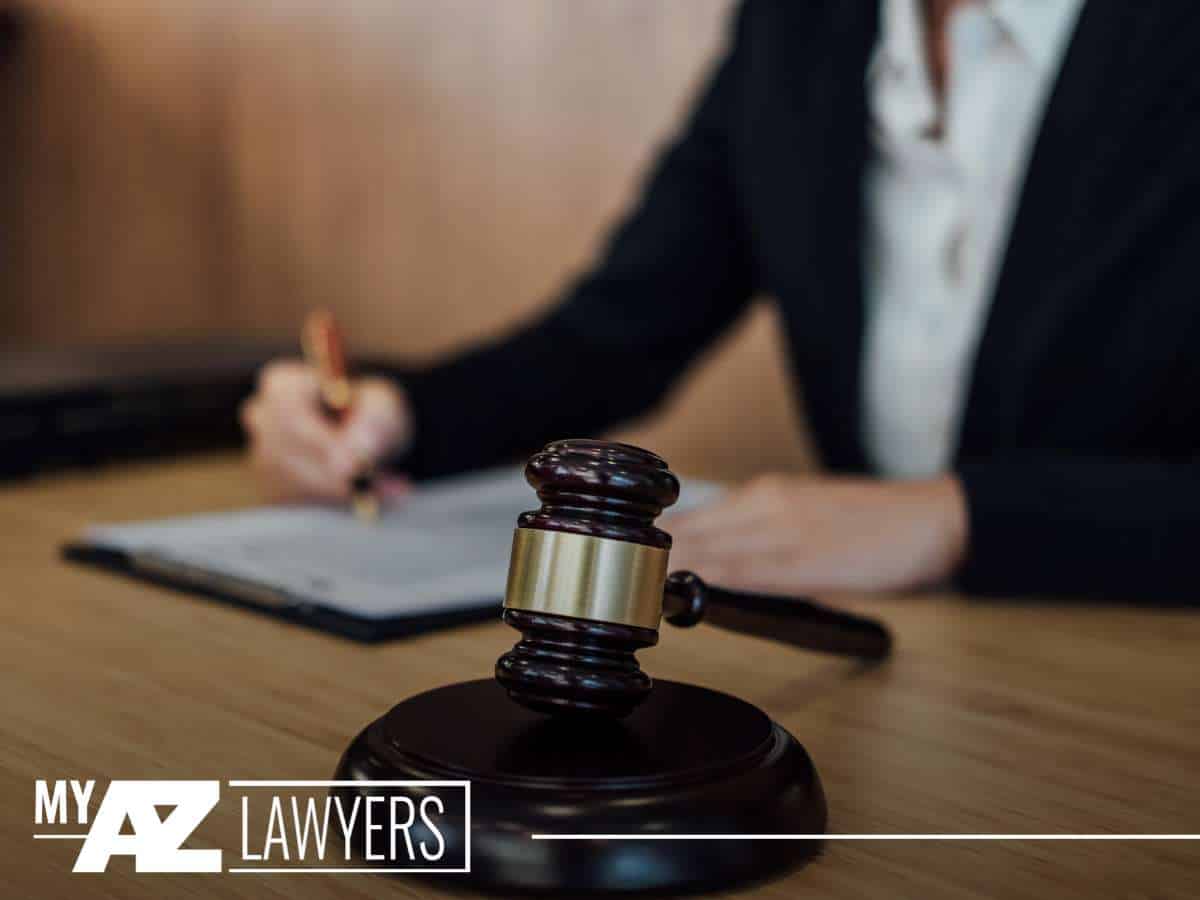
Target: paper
{"x":443,"y":548}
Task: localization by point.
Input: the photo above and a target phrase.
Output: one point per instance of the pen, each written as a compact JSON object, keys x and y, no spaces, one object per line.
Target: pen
{"x":325,"y":352}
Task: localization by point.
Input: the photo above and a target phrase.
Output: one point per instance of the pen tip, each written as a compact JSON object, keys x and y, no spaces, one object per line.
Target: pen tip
{"x":366,"y":507}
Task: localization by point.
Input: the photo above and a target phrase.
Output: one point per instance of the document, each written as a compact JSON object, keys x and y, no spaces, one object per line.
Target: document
{"x":444,"y":548}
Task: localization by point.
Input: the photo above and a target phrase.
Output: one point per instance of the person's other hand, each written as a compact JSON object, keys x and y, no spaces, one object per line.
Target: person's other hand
{"x":300,"y":454}
{"x":794,"y":535}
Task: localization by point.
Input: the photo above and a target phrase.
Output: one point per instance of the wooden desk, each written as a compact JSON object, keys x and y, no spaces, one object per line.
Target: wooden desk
{"x":991,"y":718}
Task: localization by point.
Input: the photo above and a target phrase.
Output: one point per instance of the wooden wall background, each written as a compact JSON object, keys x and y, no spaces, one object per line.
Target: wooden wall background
{"x":431,"y":169}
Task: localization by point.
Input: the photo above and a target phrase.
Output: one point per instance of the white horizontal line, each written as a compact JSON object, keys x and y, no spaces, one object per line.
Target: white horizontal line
{"x":351,"y":783}
{"x":59,"y":837}
{"x":300,"y":870}
{"x":865,"y":837}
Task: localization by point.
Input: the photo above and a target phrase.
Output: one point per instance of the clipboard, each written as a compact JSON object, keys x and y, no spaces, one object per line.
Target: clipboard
{"x":270,"y":601}
{"x":438,"y":559}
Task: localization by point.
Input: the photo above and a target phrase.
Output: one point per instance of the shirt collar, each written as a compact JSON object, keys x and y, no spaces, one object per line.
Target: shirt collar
{"x":901,"y":41}
{"x":1040,"y":28}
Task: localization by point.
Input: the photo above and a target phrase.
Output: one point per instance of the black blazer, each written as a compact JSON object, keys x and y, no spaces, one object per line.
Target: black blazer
{"x":1078,"y":450}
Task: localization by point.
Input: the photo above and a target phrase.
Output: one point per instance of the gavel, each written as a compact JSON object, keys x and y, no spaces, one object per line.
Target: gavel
{"x":588,"y":586}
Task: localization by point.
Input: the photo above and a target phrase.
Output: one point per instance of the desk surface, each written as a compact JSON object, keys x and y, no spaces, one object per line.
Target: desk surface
{"x":991,"y":718}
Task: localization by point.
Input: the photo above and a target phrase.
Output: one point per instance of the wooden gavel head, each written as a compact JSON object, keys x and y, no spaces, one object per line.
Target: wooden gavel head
{"x":588,"y":586}
{"x":585,"y":581}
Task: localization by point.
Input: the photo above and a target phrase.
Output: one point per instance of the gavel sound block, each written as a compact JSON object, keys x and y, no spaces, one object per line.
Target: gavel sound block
{"x":572,"y":737}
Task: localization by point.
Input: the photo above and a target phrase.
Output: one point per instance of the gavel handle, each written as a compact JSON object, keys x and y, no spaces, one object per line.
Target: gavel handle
{"x":792,"y":620}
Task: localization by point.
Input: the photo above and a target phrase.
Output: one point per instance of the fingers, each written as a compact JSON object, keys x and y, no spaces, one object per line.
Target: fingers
{"x":294,"y":448}
{"x":391,"y":488}
{"x":749,"y":538}
{"x":379,"y":422}
{"x":307,"y":431}
{"x":777,"y":569}
{"x":296,"y":479}
{"x":287,"y":382}
{"x":736,"y":516}
{"x":292,"y":469}
{"x":301,"y":455}
{"x":784,"y":534}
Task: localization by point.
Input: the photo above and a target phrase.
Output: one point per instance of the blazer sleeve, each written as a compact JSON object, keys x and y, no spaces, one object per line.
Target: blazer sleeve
{"x":1098,"y":528}
{"x":675,"y":274}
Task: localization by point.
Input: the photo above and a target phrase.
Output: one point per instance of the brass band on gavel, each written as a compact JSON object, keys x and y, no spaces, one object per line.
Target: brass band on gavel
{"x":586,"y":577}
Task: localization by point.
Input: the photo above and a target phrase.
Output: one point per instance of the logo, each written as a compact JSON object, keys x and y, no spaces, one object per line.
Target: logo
{"x":286,"y":826}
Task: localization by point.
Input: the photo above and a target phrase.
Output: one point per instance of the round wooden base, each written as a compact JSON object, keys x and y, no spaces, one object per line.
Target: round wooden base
{"x":687,"y":761}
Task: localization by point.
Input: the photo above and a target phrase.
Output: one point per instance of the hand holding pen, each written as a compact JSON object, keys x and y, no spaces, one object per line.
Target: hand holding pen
{"x":313,"y":432}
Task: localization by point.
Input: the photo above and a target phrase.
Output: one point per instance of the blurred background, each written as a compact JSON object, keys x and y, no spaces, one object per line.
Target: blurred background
{"x":431,"y":170}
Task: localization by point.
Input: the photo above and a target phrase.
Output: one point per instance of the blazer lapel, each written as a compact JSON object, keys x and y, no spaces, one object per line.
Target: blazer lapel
{"x":817,"y":157}
{"x":1045,"y":267}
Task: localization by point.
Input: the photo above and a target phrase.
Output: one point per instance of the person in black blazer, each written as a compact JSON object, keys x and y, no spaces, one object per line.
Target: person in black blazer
{"x":1074,"y":470}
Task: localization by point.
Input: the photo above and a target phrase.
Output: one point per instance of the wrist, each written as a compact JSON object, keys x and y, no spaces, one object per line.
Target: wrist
{"x":949,"y":511}
{"x":933,"y":516}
